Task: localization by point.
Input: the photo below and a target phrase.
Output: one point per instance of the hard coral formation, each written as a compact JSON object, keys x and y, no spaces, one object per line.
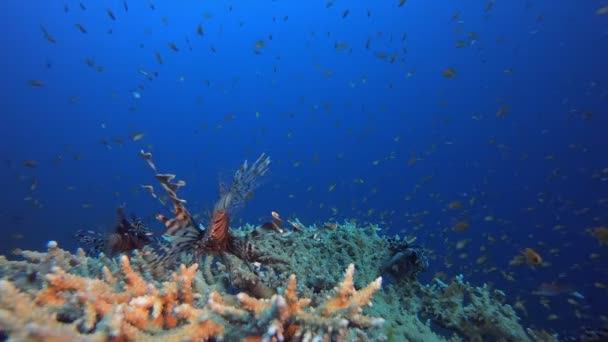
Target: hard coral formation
{"x":478,"y":313}
{"x":119,"y":304}
{"x":290,"y":294}
{"x":264,"y":283}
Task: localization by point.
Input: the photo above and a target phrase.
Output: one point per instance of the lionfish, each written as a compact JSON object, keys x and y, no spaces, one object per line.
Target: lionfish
{"x":188,"y":237}
{"x":127,"y":235}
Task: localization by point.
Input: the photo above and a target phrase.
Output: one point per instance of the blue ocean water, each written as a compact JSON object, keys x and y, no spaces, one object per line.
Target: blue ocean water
{"x":492,"y":114}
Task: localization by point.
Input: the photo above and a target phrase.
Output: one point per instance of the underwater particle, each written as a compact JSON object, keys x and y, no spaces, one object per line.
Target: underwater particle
{"x":462,"y":243}
{"x":90,"y":62}
{"x":136,"y":94}
{"x":110,"y":14}
{"x":199,"y":30}
{"x":551,"y":289}
{"x":340,"y":46}
{"x":332,"y":187}
{"x":600,"y":234}
{"x":482,"y":259}
{"x":461,"y":226}
{"x":502,"y":112}
{"x":455,"y":205}
{"x":260,"y":44}
{"x":489,"y":6}
{"x":30,"y":163}
{"x":136,"y":136}
{"x":402,"y":2}
{"x":159,"y":58}
{"x":80,"y":28}
{"x":461,"y":44}
{"x":449,"y":73}
{"x":329,"y":4}
{"x":172,"y":46}
{"x":594,"y":256}
{"x":345,"y":13}
{"x":46,"y":35}
{"x":36,"y":83}
{"x":602,"y":11}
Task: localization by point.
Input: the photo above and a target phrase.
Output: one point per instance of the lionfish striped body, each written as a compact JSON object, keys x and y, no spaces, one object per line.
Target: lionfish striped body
{"x":185,"y":236}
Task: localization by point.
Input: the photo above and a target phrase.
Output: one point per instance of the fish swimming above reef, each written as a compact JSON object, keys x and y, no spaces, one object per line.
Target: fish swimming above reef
{"x":128,"y":235}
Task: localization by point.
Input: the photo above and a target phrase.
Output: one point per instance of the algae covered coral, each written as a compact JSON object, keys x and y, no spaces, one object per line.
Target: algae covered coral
{"x":335,"y":282}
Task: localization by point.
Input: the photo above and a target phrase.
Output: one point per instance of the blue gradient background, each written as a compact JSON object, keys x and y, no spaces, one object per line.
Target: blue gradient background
{"x":538,"y":167}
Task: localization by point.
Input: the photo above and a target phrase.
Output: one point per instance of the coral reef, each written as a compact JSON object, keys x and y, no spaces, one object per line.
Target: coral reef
{"x":120,"y":304}
{"x":58,"y":295}
{"x":274,"y":282}
{"x":475,"y":312}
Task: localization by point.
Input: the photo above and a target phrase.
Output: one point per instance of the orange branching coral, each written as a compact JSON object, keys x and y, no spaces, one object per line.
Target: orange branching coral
{"x":184,"y":279}
{"x":135,"y":284}
{"x":295,"y":304}
{"x":116,"y":303}
{"x":288,"y":317}
{"x":20,"y":320}
{"x":347,"y":298}
{"x":200,"y":328}
{"x":91,"y":308}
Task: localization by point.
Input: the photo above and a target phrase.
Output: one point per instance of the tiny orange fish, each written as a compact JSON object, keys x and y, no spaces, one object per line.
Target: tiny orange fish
{"x":449,"y":73}
{"x":532,"y":257}
{"x":30,"y":163}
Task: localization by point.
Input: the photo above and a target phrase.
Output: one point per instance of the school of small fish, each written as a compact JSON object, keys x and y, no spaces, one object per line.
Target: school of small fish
{"x":469,"y":230}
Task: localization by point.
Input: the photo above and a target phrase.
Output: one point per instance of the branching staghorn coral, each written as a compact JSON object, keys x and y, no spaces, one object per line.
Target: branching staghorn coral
{"x":478,"y":313}
{"x":121,"y":305}
{"x":317,"y":255}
